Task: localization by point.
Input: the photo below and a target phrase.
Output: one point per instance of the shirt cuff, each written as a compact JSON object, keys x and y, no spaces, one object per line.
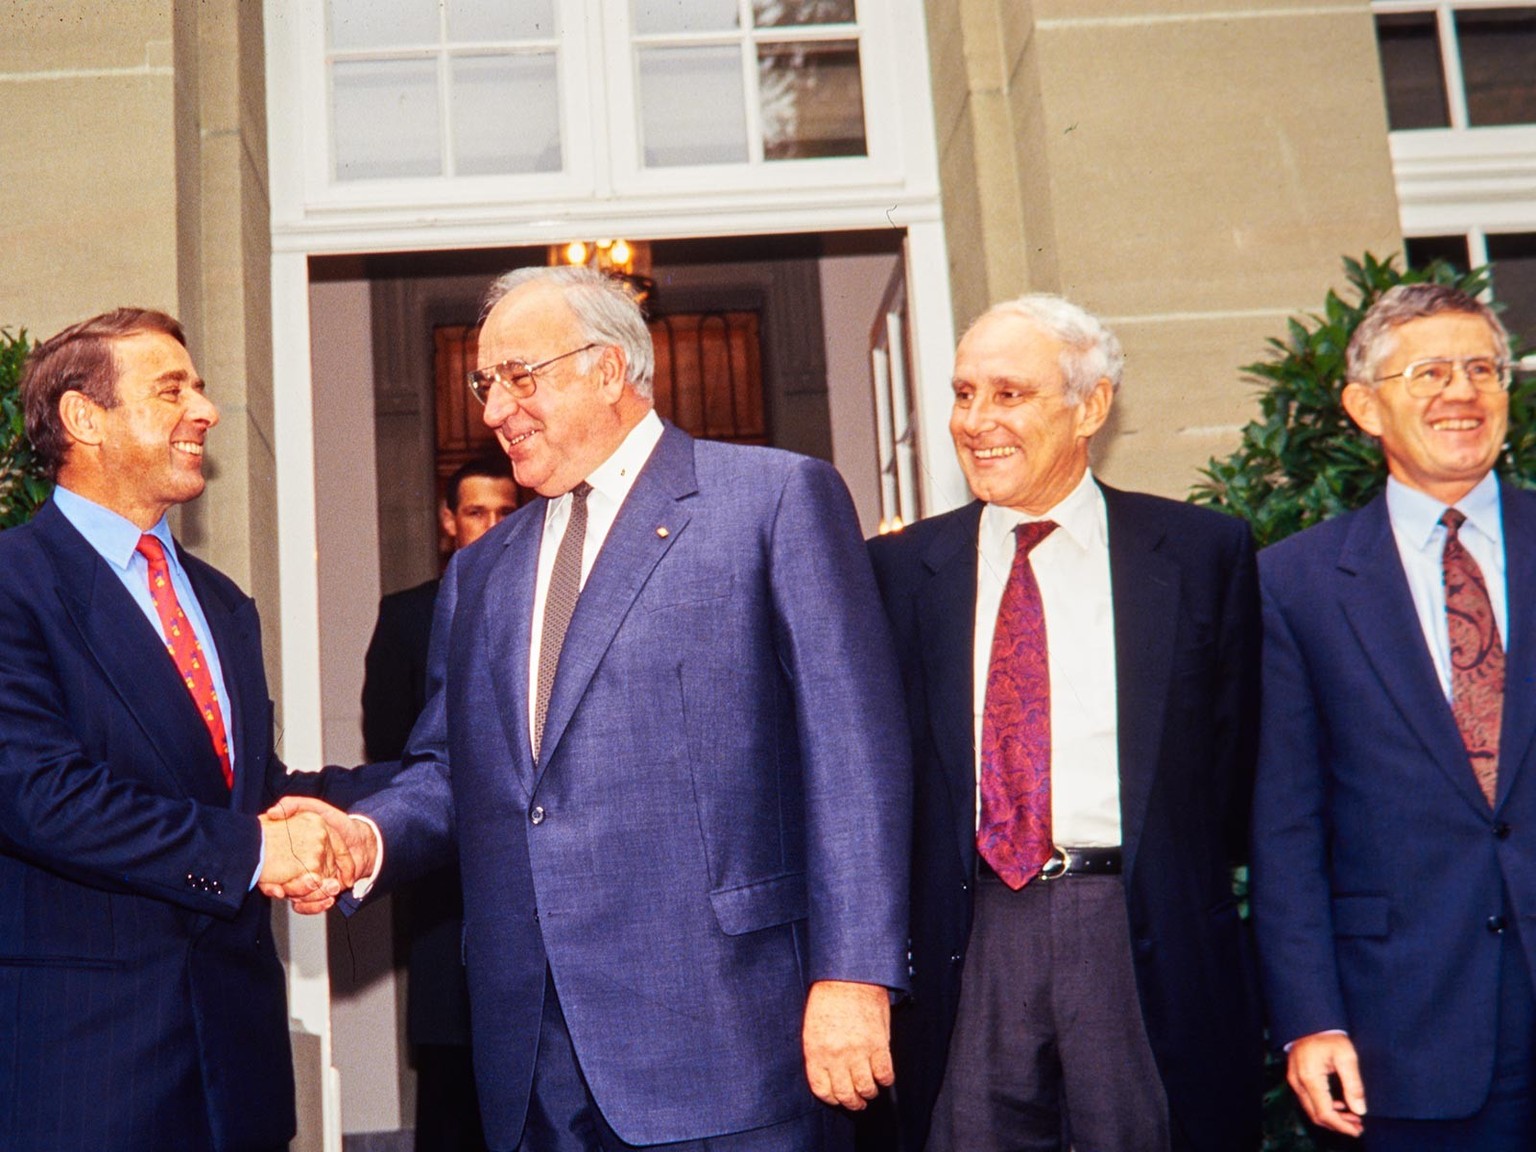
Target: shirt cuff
{"x":365,"y":884}
{"x":1324,"y":1032}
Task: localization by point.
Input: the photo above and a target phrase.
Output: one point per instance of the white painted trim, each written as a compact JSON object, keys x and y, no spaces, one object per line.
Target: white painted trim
{"x":931,"y":315}
{"x":1451,"y":180}
{"x":309,"y":987}
{"x":1223,"y":16}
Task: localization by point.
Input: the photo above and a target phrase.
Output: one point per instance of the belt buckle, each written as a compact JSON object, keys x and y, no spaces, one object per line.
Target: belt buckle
{"x":1055,"y":865}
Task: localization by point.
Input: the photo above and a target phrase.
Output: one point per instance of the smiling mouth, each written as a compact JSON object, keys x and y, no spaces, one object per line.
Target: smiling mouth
{"x":520,"y":438}
{"x":190,"y":447}
{"x":1456,"y":424}
{"x":993,"y":453}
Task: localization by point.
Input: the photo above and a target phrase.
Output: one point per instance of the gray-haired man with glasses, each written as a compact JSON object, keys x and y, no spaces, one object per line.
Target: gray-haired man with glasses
{"x":665,"y":737}
{"x":1394,"y":862}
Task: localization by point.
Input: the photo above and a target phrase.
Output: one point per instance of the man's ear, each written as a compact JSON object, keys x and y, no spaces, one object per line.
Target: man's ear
{"x":446,"y":522}
{"x":1094,"y":409}
{"x":81,"y":417}
{"x":612,"y":371}
{"x":1363,"y":406}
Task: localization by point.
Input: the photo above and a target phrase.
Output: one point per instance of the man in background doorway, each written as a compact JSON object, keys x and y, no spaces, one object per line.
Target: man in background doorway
{"x":429,"y":915}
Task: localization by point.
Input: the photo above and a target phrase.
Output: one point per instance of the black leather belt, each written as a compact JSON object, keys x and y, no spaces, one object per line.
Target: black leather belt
{"x":1065,"y":861}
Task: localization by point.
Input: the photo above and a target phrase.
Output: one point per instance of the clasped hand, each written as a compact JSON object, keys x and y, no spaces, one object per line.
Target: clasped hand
{"x":313,"y":853}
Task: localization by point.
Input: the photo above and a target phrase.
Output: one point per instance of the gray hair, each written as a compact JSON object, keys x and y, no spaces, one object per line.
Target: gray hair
{"x":605,"y":312}
{"x":1091,"y":351}
{"x":1376,"y":334}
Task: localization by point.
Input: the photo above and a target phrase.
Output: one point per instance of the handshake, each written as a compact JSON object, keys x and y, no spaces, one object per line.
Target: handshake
{"x":313,"y":853}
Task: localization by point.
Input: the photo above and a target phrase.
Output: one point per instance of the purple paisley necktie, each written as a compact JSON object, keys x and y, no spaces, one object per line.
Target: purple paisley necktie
{"x":1014,"y":834}
{"x":1477,"y":656}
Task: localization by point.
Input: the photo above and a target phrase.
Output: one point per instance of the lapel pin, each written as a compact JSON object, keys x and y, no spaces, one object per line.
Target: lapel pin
{"x":662,"y":532}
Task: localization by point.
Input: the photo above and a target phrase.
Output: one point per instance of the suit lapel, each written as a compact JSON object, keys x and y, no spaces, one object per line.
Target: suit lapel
{"x":507,"y":620}
{"x":132,"y":657}
{"x":649,"y":523}
{"x":1518,"y":509}
{"x":946,"y":614}
{"x":1144,"y":589}
{"x":234,"y":632}
{"x":1376,"y":601}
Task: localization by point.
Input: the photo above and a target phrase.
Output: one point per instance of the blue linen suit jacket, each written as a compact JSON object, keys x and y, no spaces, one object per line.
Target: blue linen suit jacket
{"x":142,"y":1003}
{"x":1186,"y":625}
{"x":720,"y":809}
{"x":1377,"y":862}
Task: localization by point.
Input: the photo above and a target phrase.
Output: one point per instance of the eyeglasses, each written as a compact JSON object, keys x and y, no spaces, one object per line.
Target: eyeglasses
{"x":1426,"y":378}
{"x":517,"y":376}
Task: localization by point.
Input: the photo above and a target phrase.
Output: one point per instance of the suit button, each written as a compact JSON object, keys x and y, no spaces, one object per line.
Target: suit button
{"x":537,"y":814}
{"x":955,"y":957}
{"x":1495,"y":924}
{"x":1501,"y":831}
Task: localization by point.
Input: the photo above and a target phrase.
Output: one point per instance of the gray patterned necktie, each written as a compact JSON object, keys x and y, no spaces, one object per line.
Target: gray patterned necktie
{"x":559,"y":603}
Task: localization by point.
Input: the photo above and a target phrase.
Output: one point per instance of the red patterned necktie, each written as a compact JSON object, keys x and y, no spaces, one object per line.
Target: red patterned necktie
{"x":182,"y":643}
{"x":1014,"y":834}
{"x":1477,"y":656}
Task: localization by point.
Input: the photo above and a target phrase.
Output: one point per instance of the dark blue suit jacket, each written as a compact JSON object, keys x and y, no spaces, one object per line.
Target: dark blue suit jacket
{"x":1186,"y":638}
{"x":142,"y":1004}
{"x":1377,"y":861}
{"x":720,"y":810}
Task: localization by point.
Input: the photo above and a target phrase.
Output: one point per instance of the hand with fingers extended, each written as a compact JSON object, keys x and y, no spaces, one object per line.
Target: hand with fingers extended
{"x":299,"y":860}
{"x":352,"y":847}
{"x":1311,"y":1066}
{"x":847,"y":1039}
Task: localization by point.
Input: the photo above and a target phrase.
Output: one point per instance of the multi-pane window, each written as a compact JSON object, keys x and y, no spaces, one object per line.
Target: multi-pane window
{"x":443,"y":87}
{"x":1513,"y":257}
{"x":452,"y":88}
{"x":744,"y":81}
{"x":1457,"y":65}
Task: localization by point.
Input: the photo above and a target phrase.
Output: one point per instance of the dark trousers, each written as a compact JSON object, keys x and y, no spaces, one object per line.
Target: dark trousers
{"x":447,"y":1106}
{"x":1507,"y":1120}
{"x":1049,"y":1049}
{"x":563,"y":1117}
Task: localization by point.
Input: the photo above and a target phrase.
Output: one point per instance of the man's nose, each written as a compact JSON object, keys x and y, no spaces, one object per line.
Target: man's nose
{"x":499,"y":404}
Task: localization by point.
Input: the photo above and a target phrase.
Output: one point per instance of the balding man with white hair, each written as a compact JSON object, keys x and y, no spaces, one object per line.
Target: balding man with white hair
{"x":1080,"y":667}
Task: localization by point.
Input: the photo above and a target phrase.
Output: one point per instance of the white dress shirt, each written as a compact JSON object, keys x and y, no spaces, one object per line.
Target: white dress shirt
{"x":1420,"y":540}
{"x":1072,"y":568}
{"x":611,"y":482}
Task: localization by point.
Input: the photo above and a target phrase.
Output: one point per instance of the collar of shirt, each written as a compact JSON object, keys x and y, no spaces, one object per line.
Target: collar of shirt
{"x":611,"y":481}
{"x":1416,"y":516}
{"x":112,"y":536}
{"x":1080,"y":515}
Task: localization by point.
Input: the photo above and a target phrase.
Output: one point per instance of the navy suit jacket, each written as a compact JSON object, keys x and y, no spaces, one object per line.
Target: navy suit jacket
{"x":1377,"y":862}
{"x":1186,"y":637}
{"x":719,"y":813}
{"x":142,"y":1003}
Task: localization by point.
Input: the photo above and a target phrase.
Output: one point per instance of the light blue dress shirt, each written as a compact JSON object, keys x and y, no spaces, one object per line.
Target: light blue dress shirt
{"x":115,"y":540}
{"x":1421,"y":541}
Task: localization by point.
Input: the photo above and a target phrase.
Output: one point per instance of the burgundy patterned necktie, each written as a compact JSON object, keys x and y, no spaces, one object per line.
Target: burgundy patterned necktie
{"x":1014,"y":834}
{"x":1477,"y":656}
{"x":182,"y":643}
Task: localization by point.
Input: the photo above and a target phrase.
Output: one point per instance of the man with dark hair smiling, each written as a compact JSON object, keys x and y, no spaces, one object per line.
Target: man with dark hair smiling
{"x":143,"y":1001}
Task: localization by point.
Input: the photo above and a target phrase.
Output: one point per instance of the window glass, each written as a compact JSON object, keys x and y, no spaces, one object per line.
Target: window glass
{"x":1498,"y":64}
{"x":480,"y":21}
{"x":812,"y":100}
{"x":786,"y":13}
{"x":652,"y":17}
{"x":506,"y":114}
{"x":1422,"y":251}
{"x":1412,"y":71}
{"x":692,"y":106}
{"x":382,"y":23}
{"x":386,"y":118}
{"x":1513,"y":257}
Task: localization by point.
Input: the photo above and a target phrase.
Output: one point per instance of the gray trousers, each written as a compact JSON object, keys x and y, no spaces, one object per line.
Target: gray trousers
{"x":1049,"y":1050}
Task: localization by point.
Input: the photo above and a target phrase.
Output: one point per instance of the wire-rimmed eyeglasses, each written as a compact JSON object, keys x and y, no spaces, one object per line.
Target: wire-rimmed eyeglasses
{"x":1430,"y":377}
{"x":517,"y":376}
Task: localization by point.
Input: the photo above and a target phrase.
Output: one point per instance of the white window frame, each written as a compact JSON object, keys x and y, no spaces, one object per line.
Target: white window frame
{"x":1461,"y":179}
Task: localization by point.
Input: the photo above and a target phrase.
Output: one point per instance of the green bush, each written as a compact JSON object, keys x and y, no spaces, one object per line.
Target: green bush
{"x":23,"y":484}
{"x":1304,"y":460}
